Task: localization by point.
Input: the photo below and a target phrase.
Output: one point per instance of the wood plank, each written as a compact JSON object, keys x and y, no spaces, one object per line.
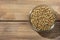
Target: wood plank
{"x":17,"y":11}
{"x":22,"y":31}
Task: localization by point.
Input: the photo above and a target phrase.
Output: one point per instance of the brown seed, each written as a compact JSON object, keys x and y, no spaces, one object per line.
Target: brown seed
{"x":44,"y":17}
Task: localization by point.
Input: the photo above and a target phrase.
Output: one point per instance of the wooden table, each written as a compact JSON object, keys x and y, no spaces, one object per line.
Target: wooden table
{"x":20,"y":10}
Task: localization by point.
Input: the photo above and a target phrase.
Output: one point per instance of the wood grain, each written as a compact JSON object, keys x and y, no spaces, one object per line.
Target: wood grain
{"x":20,"y":10}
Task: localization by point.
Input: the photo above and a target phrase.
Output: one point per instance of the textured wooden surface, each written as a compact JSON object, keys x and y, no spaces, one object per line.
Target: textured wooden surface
{"x":23,"y":31}
{"x":20,"y":10}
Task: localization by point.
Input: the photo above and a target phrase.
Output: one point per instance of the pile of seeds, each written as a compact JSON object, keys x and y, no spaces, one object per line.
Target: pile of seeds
{"x":42,"y":17}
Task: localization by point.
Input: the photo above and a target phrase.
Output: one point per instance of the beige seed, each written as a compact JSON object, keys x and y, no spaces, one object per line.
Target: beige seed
{"x":44,"y":17}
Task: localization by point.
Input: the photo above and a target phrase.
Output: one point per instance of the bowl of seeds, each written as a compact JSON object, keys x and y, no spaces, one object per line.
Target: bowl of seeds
{"x":42,"y":18}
